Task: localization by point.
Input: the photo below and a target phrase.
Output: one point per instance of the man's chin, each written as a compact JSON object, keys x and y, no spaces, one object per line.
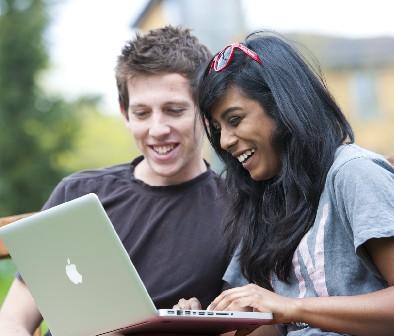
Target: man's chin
{"x":165,"y":170}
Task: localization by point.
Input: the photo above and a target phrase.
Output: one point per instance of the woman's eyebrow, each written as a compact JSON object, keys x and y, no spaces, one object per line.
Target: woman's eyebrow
{"x":224,"y":114}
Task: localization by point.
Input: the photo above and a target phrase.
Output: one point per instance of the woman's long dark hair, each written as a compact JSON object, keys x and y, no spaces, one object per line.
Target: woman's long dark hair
{"x":269,"y":218}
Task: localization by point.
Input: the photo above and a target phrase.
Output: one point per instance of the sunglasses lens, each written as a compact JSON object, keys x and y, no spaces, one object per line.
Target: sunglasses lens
{"x":223,"y":58}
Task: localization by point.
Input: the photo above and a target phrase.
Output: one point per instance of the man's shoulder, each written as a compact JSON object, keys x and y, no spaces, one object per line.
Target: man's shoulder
{"x":213,"y":177}
{"x":115,"y":171}
{"x":216,"y":176}
{"x":99,"y":181}
{"x":103,"y":182}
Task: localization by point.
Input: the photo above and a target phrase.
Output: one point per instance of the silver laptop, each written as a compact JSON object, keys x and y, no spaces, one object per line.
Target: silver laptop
{"x":84,"y":283}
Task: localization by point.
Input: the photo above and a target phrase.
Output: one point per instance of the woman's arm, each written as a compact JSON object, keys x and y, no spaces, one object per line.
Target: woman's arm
{"x":368,"y":314}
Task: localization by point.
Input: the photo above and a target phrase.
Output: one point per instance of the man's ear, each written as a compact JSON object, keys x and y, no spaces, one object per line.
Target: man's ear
{"x":124,"y":112}
{"x":206,"y":122}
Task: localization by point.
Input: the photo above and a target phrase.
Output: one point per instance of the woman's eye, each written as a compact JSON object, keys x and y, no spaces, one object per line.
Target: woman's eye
{"x":234,"y":121}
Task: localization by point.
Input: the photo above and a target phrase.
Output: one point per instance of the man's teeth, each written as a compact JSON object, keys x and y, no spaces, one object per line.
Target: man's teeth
{"x":246,"y":155}
{"x":163,"y":149}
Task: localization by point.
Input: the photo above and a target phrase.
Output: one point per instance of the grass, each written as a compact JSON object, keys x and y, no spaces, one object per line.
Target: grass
{"x":7,"y":274}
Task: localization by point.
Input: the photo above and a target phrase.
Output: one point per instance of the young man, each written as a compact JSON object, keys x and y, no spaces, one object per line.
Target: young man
{"x":166,"y":205}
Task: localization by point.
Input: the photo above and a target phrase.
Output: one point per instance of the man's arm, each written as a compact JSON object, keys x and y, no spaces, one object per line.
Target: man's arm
{"x":19,"y":315}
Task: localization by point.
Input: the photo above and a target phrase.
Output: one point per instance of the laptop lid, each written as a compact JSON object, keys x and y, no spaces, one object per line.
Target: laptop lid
{"x":75,"y":265}
{"x":84,"y":283}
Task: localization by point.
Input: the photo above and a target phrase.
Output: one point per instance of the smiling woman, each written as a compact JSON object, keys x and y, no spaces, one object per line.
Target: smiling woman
{"x":246,"y":132}
{"x":311,"y":213}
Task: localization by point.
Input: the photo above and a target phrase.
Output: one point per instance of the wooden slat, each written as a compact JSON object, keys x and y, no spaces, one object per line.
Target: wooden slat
{"x":7,"y":220}
{"x":10,"y":219}
{"x":3,"y":250}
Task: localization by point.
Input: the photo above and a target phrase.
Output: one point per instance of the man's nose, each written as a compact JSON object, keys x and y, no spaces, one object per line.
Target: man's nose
{"x":159,"y":127}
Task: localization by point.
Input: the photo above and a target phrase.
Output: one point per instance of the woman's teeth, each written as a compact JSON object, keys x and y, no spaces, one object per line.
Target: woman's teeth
{"x":246,"y":155}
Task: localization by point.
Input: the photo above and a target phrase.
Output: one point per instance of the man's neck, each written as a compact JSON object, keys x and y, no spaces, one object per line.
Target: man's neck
{"x":144,"y":173}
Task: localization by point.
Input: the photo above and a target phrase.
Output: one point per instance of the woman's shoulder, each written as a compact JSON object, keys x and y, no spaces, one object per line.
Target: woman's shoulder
{"x":351,"y":160}
{"x":358,"y":170}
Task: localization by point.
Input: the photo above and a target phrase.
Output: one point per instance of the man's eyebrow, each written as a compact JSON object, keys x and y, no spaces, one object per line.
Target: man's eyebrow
{"x":137,"y":105}
{"x":171,"y":102}
{"x":177,"y":102}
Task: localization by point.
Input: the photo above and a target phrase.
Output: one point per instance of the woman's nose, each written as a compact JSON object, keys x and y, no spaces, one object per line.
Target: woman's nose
{"x":227,"y":140}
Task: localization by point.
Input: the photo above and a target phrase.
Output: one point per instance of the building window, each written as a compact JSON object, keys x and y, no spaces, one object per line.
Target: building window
{"x":364,"y":95}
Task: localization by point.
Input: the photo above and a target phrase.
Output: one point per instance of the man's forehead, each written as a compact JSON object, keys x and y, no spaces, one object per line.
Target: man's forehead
{"x":159,"y":89}
{"x":145,"y":78}
{"x":168,"y":102}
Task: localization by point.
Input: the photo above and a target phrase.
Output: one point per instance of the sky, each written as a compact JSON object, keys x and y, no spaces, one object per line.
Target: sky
{"x":86,"y":36}
{"x":350,"y":18}
{"x":85,"y":39}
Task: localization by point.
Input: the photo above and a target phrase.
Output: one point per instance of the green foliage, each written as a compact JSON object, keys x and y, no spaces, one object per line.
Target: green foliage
{"x":102,"y":140}
{"x":42,"y":137}
{"x":7,"y":272}
{"x":35,"y":128}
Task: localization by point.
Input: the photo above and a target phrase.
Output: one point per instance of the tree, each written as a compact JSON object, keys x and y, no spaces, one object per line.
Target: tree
{"x":35,"y":128}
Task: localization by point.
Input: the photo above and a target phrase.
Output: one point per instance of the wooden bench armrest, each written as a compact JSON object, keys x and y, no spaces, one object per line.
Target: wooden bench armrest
{"x":7,"y":220}
{"x":3,"y":250}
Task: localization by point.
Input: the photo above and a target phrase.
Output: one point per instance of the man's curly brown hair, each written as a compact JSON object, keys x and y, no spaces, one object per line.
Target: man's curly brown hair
{"x":163,"y":50}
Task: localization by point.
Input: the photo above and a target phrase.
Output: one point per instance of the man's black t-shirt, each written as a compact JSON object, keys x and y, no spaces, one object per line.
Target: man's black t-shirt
{"x":173,"y":234}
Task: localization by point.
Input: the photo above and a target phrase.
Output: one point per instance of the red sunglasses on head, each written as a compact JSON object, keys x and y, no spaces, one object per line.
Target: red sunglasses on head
{"x":224,"y":57}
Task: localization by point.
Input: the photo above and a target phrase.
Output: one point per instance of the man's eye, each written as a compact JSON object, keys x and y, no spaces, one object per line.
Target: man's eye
{"x":176,"y":110}
{"x":140,"y":114}
{"x":234,"y":121}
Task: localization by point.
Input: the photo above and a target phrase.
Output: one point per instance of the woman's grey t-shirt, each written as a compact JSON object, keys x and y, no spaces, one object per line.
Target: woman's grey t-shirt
{"x":357,"y":204}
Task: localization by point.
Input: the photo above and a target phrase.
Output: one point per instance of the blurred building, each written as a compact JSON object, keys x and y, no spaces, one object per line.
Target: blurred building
{"x":216,"y":23}
{"x":360,"y":75}
{"x":358,"y":72}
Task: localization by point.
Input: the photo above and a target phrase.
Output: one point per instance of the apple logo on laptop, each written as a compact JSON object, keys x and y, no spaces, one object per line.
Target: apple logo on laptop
{"x":72,"y":273}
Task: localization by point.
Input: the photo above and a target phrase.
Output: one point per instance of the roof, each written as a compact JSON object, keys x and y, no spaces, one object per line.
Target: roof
{"x":339,"y":52}
{"x":145,"y":10}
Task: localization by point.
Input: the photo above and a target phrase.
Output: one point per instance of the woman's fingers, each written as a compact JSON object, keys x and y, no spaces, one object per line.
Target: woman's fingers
{"x":220,"y":302}
{"x":192,"y":303}
{"x":246,"y":298}
{"x":232,"y":299}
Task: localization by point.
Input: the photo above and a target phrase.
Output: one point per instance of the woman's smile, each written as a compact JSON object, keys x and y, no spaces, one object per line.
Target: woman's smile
{"x":246,"y":132}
